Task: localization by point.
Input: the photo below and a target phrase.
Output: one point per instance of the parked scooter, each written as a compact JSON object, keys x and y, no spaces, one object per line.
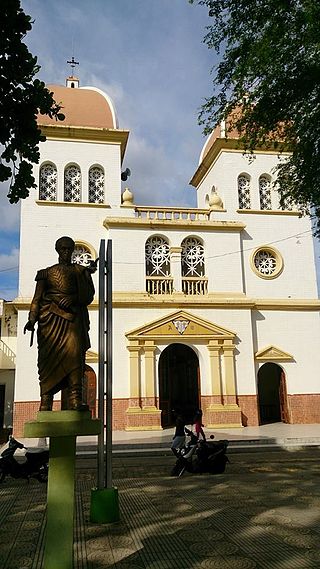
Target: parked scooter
{"x":34,"y":464}
{"x":201,"y":456}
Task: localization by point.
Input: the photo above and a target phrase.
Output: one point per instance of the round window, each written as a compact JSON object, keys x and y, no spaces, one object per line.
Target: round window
{"x":266,"y":262}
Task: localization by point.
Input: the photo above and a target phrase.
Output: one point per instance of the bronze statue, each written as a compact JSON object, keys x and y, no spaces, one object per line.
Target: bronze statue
{"x":63,"y":292}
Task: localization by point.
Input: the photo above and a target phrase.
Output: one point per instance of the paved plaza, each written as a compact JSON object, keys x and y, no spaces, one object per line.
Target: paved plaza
{"x":263,"y":513}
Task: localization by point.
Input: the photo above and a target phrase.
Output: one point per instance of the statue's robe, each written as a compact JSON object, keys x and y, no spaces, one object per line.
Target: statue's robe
{"x":63,"y":333}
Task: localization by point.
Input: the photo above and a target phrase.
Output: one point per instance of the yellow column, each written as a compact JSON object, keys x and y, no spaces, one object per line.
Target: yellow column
{"x":149,"y":350}
{"x":230,"y":382}
{"x":175,"y":262}
{"x":214,"y":354}
{"x":134,"y":349}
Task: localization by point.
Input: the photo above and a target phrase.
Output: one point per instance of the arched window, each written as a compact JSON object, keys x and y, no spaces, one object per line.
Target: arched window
{"x":82,"y":255}
{"x":244,"y":192}
{"x":265,"y":192}
{"x":192,"y":257}
{"x":287,"y":205}
{"x":157,"y":255}
{"x":72,"y":184}
{"x":96,"y":185}
{"x":192,"y":267}
{"x":48,"y":183}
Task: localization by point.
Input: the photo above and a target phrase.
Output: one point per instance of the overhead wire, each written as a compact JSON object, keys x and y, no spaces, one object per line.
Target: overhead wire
{"x":207,"y":257}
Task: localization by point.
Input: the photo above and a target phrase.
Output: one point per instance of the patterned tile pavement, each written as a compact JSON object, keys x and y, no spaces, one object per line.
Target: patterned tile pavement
{"x":263,"y":513}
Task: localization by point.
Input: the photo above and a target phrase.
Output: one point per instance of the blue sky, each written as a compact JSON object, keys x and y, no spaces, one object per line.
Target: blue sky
{"x":148,"y":55}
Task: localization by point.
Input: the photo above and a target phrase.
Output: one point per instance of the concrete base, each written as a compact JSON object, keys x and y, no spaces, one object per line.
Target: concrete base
{"x":62,"y":428}
{"x":104,"y":507}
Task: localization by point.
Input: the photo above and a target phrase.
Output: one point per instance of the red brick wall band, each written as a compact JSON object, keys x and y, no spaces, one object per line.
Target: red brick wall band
{"x":303,"y":408}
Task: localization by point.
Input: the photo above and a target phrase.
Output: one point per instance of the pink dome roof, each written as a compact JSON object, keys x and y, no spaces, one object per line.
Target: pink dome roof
{"x":84,"y":106}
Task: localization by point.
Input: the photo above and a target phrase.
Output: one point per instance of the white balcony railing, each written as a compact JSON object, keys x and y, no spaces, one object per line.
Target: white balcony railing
{"x":195,"y":285}
{"x":159,"y":285}
{"x":171,"y":214}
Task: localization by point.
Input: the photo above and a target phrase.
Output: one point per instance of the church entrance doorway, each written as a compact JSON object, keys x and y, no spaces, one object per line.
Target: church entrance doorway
{"x":272,"y":393}
{"x":90,"y":389}
{"x":179,"y":383}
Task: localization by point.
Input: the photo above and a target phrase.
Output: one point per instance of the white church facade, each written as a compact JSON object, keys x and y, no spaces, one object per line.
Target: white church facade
{"x":213,"y":307}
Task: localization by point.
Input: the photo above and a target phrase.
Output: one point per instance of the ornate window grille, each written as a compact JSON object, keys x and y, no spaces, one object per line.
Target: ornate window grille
{"x":48,"y":183}
{"x":244,"y":192}
{"x":81,"y":255}
{"x":157,"y":255}
{"x":287,"y":205}
{"x":192,"y":267}
{"x":267,"y":262}
{"x":96,"y":185}
{"x":265,"y":192}
{"x":72,"y":184}
{"x":192,"y":257}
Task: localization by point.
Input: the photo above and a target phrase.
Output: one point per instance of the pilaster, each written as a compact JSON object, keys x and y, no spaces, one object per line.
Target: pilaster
{"x":175,"y":263}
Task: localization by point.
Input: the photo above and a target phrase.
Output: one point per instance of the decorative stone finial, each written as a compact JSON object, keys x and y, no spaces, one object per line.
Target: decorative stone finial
{"x":215,"y":202}
{"x":127,"y":198}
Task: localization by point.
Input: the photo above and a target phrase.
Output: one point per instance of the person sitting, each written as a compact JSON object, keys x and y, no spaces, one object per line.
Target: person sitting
{"x":179,"y":437}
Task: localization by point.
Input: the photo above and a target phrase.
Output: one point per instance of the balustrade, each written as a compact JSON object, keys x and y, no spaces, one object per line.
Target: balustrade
{"x":171,"y":214}
{"x":159,"y":285}
{"x":195,"y":285}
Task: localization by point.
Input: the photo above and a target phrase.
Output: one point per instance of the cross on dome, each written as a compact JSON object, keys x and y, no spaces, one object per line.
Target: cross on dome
{"x":73,"y":63}
{"x":72,"y":81}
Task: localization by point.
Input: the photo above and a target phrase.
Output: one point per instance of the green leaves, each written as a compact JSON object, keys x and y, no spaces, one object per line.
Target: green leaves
{"x":22,"y":97}
{"x":270,"y":65}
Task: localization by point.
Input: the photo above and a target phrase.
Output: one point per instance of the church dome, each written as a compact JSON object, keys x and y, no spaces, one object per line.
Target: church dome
{"x":218,"y":132}
{"x":222,"y":130}
{"x":82,"y":107}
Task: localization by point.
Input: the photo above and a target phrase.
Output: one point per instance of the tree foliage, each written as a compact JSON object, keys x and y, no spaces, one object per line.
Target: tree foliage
{"x":270,"y":63}
{"x":22,"y":97}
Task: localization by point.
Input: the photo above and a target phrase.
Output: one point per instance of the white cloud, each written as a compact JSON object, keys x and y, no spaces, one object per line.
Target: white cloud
{"x":9,"y":213}
{"x":9,"y":260}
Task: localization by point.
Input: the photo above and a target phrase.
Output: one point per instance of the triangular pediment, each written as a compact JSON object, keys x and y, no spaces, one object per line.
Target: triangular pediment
{"x":181,"y":324}
{"x":272,"y":353}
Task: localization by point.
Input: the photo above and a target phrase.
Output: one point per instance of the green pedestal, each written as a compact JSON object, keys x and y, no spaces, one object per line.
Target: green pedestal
{"x":62,"y":428}
{"x":104,"y":506}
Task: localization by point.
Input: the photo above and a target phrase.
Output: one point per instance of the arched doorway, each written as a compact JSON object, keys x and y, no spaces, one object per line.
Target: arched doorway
{"x":178,"y":382}
{"x":272,"y":393}
{"x":90,"y":389}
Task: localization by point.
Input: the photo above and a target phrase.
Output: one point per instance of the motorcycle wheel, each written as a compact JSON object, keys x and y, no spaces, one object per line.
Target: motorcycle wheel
{"x":178,"y":468}
{"x":175,"y":470}
{"x":181,"y":471}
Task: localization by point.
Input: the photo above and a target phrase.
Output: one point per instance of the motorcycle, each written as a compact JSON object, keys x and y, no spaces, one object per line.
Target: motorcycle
{"x":201,"y":456}
{"x":34,"y":464}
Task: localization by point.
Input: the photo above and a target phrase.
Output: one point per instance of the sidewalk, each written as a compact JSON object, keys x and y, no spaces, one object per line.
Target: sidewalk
{"x":262,"y":513}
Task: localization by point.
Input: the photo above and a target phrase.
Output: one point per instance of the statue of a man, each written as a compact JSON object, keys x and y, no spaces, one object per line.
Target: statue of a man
{"x":63,"y":292}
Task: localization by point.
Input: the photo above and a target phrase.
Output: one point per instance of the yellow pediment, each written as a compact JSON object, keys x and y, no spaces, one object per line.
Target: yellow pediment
{"x":272,"y":353}
{"x":180,"y":324}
